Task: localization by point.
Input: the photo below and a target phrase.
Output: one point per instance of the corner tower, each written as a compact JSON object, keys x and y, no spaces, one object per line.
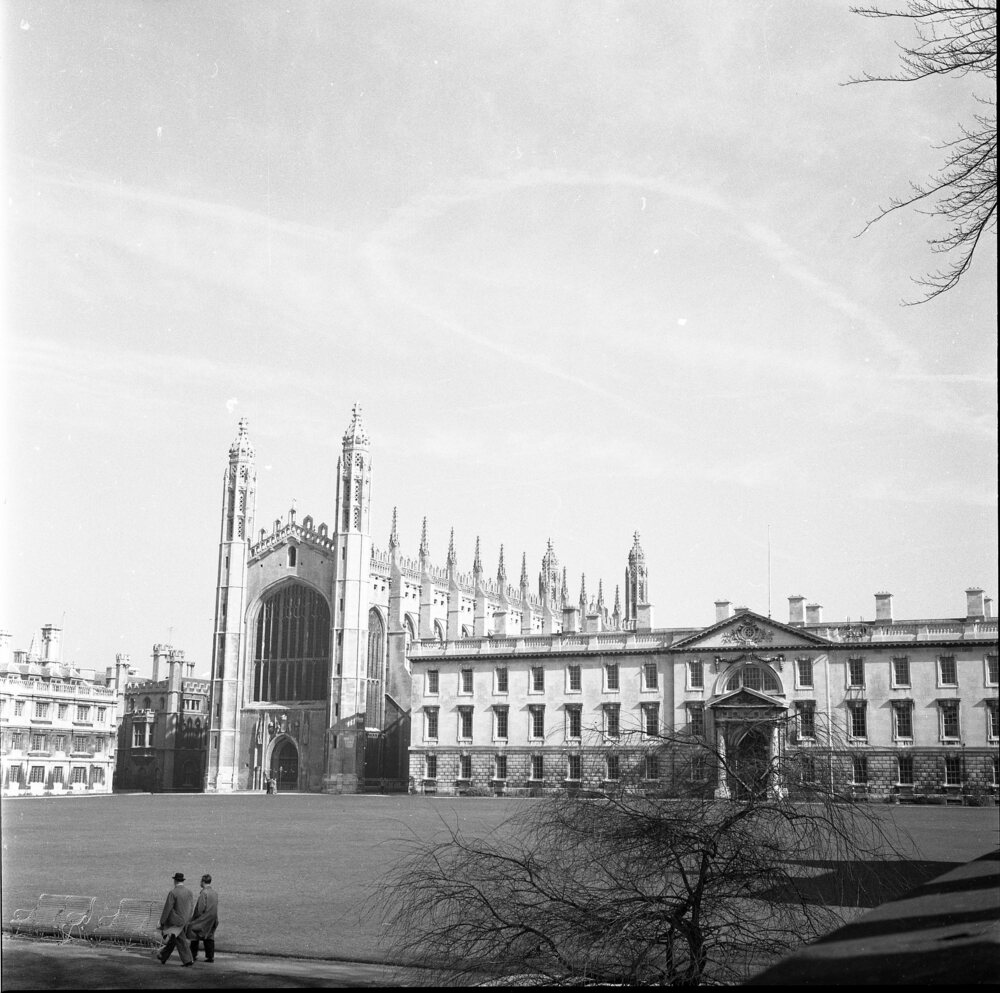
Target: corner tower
{"x":351,"y":602}
{"x":636,"y":580}
{"x":239,"y":490}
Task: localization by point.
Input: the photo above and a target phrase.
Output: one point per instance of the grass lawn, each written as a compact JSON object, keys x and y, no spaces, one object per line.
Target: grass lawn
{"x":294,"y":872}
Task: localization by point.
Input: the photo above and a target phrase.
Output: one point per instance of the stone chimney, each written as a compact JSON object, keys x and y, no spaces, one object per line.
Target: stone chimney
{"x":988,"y":608}
{"x":740,"y":610}
{"x":975,"y":608}
{"x":571,"y":620}
{"x":721,"y":610}
{"x":883,"y":607}
{"x":796,"y":613}
{"x":814,"y":613}
{"x":51,"y":636}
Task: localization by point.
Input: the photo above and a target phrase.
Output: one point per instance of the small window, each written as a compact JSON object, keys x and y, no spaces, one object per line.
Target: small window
{"x":804,"y":670}
{"x":574,"y":767}
{"x":611,"y":679}
{"x":947,"y":671}
{"x":902,"y":718}
{"x":901,"y":671}
{"x":904,"y":770}
{"x":856,"y":673}
{"x":79,"y":774}
{"x":500,"y":720}
{"x":14,"y":774}
{"x":573,"y":678}
{"x":37,"y":742}
{"x":502,"y":681}
{"x":950,"y":727}
{"x":538,"y":722}
{"x":63,"y":710}
{"x":992,"y":719}
{"x":952,"y":770}
{"x":18,"y":709}
{"x":698,"y":768}
{"x":650,"y":679}
{"x":57,"y":774}
{"x":651,"y":719}
{"x":805,"y":714}
{"x":37,"y":774}
{"x":499,"y":766}
{"x":651,"y":767}
{"x":41,"y":711}
{"x":860,"y":769}
{"x":574,"y":722}
{"x":292,"y":555}
{"x":537,"y":766}
{"x":465,"y":766}
{"x":537,"y":679}
{"x":696,"y":674}
{"x":431,"y":723}
{"x":992,"y":675}
{"x":433,"y":680}
{"x":83,"y":713}
{"x":807,"y":769}
{"x":466,"y":682}
{"x":614,"y":768}
{"x":465,"y":722}
{"x":857,"y":720}
{"x":696,"y":719}
{"x":430,"y":766}
{"x":612,"y":720}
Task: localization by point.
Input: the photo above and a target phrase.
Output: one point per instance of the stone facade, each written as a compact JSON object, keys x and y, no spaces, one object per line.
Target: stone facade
{"x":57,"y":723}
{"x":163,"y":730}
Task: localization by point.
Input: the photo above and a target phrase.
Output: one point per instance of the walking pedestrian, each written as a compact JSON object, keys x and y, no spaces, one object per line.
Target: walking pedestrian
{"x":174,"y":918}
{"x":205,"y":920}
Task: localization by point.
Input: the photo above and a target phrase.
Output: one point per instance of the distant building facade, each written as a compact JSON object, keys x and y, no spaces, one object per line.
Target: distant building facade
{"x":882,"y":708}
{"x":338,"y":666}
{"x":57,"y":722}
{"x":163,"y":731}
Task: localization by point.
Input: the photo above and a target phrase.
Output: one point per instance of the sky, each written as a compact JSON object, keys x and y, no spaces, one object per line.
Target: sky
{"x":589,"y":269}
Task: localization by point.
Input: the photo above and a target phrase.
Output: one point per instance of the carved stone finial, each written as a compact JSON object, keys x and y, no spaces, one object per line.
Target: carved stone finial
{"x":477,"y":562}
{"x":451,"y":559}
{"x":424,"y":547}
{"x":355,"y":433}
{"x":583,"y":593}
{"x":394,"y":534}
{"x":524,"y":570}
{"x":242,"y":448}
{"x":501,"y":571}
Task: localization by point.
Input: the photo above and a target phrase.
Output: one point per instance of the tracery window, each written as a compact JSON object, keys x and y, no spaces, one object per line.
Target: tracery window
{"x":292,"y":646}
{"x":376,"y":670}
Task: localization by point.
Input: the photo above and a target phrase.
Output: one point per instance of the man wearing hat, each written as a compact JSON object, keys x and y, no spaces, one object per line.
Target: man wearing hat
{"x":174,"y":917}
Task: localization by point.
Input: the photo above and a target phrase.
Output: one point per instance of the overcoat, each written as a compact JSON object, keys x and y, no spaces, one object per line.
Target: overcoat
{"x":177,"y":909}
{"x":206,"y":914}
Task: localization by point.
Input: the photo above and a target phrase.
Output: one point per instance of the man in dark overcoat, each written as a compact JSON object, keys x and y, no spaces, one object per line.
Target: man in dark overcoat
{"x":205,"y":920}
{"x":174,"y":919}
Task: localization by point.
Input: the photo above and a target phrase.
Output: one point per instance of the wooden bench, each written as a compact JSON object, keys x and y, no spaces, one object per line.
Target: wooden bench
{"x":55,"y":914}
{"x":134,"y":922}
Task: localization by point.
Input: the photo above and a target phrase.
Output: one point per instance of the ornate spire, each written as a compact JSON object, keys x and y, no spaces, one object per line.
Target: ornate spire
{"x":564,"y":590}
{"x":583,"y":593}
{"x":355,"y":433}
{"x":424,"y":548}
{"x":600,"y":596}
{"x":393,"y":534}
{"x":477,"y":562}
{"x":636,"y":555}
{"x":501,"y":572}
{"x":524,"y":570}
{"x":451,"y":559}
{"x":242,"y":448}
{"x":618,"y":604}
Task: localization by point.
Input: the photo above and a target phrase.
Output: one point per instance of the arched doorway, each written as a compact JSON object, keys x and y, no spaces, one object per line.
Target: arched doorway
{"x":750,"y":762}
{"x":285,"y":765}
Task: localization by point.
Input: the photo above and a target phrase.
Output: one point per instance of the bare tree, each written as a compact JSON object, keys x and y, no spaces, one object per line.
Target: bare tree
{"x":634,"y":885}
{"x":954,"y":37}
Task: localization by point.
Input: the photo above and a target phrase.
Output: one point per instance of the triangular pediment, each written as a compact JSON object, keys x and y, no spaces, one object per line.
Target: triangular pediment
{"x":747,"y":631}
{"x":747,"y":698}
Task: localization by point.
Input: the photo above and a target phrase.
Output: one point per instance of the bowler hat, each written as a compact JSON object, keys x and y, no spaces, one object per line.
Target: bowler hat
{"x":178,"y":877}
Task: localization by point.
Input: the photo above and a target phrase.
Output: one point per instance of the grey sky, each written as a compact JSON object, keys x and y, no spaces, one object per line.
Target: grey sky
{"x":589,"y":268}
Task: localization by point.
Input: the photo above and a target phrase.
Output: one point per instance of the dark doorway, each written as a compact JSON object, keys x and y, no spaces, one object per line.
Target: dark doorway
{"x":750,"y":763}
{"x":285,"y":766}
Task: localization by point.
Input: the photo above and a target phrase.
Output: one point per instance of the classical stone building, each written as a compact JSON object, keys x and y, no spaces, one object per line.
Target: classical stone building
{"x":57,"y":722}
{"x":163,"y":728}
{"x":338,"y":666}
{"x":883,"y":707}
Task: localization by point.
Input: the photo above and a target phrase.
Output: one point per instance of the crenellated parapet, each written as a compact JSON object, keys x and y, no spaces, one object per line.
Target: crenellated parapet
{"x":281,"y":532}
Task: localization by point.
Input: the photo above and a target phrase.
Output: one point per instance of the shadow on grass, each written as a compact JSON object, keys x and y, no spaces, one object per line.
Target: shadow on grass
{"x":857,"y":883}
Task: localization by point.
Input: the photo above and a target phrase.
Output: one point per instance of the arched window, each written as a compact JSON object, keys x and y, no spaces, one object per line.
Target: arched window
{"x":754,"y":677}
{"x":439,"y":632}
{"x":292,"y":646}
{"x":147,"y":704}
{"x":376,"y":669}
{"x":292,"y":555}
{"x":409,"y":632}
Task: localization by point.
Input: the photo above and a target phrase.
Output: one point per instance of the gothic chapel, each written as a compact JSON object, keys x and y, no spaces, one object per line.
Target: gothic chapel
{"x":310,"y":679}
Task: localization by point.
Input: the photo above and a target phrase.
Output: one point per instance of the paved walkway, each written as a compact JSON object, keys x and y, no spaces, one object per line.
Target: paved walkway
{"x":34,"y":964}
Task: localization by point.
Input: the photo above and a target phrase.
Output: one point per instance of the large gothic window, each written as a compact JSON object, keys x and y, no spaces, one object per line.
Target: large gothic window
{"x":376,"y":669}
{"x":292,"y":646}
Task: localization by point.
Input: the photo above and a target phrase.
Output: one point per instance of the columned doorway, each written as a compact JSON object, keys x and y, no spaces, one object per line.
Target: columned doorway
{"x":748,"y":742}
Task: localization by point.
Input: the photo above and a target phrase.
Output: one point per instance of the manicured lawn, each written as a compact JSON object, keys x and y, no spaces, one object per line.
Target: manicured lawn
{"x":295,"y":872}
